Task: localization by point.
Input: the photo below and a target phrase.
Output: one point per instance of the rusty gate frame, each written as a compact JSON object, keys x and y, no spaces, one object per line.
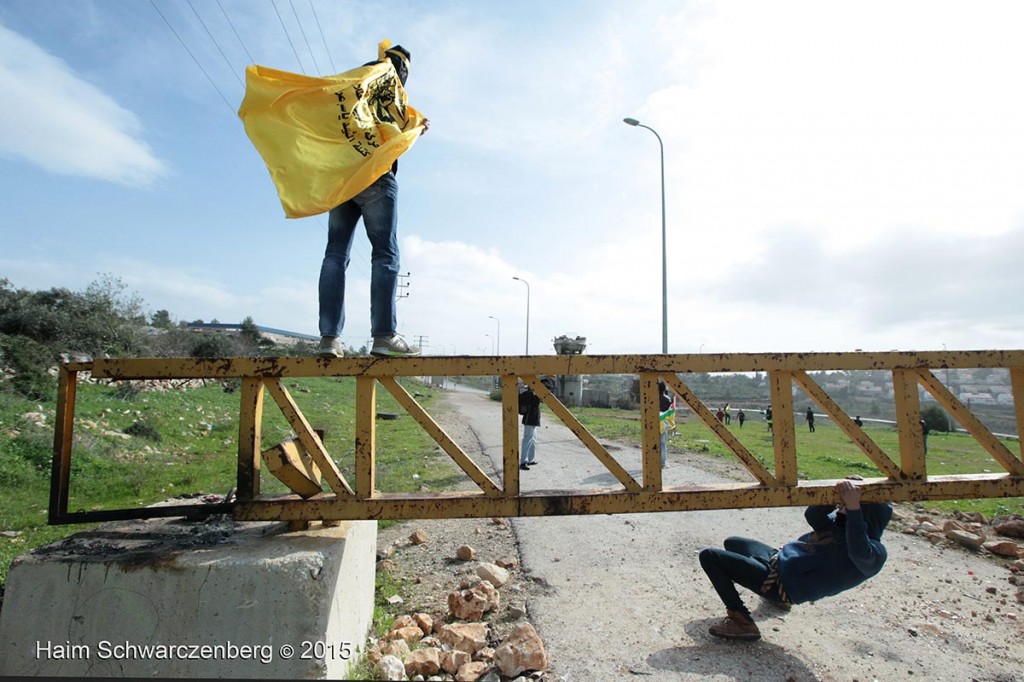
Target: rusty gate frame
{"x":905,"y":480}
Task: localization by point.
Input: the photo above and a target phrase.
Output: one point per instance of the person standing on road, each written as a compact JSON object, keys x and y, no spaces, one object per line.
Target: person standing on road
{"x":810,"y":419}
{"x":664,"y":406}
{"x":377,"y":205}
{"x":843,"y":550}
{"x":529,"y":407}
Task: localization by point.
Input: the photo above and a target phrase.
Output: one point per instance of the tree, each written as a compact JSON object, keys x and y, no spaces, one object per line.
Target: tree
{"x":250,"y":331}
{"x":161,"y":319}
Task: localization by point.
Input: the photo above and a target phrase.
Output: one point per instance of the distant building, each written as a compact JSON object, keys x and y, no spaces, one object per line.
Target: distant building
{"x":280,"y":337}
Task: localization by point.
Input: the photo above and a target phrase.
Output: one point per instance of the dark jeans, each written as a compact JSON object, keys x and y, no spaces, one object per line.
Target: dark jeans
{"x":377,"y":205}
{"x":742,"y":562}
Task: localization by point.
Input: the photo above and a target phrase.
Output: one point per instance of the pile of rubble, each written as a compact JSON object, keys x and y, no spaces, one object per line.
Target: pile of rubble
{"x":420,"y":646}
{"x":1003,"y":537}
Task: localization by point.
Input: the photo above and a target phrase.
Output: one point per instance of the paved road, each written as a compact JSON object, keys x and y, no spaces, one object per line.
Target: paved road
{"x":627,"y":598}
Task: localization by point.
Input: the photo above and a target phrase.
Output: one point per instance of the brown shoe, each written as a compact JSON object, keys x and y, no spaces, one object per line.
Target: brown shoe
{"x":736,"y":626}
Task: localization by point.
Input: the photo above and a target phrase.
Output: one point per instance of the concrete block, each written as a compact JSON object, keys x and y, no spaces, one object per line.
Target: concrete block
{"x":169,"y":598}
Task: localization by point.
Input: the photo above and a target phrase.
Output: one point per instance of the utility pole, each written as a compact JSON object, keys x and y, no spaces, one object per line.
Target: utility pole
{"x":422,"y":340}
{"x":399,"y":297}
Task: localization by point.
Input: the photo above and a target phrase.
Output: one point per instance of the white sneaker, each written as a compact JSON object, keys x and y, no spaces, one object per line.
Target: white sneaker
{"x":330,"y":347}
{"x":393,"y":346}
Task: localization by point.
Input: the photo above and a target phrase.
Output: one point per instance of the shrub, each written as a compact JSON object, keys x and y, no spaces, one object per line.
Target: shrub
{"x":35,"y":449}
{"x":35,"y":385}
{"x":145,"y":430}
{"x":23,"y":354}
{"x":30,"y":360}
{"x":126,"y":391}
{"x":212,"y":346}
{"x":99,"y":320}
{"x":936,"y":419}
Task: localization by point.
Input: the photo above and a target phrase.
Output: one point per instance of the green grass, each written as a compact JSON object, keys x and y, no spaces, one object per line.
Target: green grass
{"x":826,"y":453}
{"x":186,"y":441}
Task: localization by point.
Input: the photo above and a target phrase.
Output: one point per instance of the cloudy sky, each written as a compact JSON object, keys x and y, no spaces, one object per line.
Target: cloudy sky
{"x":838,"y":175}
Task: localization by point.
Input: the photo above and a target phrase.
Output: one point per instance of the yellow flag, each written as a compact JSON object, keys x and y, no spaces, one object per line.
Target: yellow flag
{"x":325,"y":140}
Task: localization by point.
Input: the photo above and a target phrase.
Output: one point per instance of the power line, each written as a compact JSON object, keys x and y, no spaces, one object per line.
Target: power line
{"x":296,"y":52}
{"x":151,"y":2}
{"x":251,"y":60}
{"x":303,"y":31}
{"x":363,"y":262}
{"x":334,"y":69}
{"x":216,"y":44}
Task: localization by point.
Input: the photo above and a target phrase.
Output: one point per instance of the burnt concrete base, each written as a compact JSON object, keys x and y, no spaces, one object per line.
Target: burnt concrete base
{"x":169,"y":598}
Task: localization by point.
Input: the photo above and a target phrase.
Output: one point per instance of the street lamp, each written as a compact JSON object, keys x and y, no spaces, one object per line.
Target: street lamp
{"x":527,"y":312}
{"x":664,"y":258}
{"x":947,"y":367}
{"x":499,"y":332}
{"x":492,"y":342}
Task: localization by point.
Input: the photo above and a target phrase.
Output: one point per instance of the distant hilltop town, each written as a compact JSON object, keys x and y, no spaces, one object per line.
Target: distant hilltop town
{"x":971,"y":386}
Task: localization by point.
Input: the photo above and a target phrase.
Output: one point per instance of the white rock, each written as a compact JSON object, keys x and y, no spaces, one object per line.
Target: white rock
{"x":496,"y":575}
{"x":391,"y":668}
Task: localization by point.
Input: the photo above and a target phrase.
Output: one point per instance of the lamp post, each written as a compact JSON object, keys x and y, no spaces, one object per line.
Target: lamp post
{"x":527,"y":312}
{"x":947,"y":367}
{"x":492,"y":342}
{"x":664,"y":258}
{"x":499,"y":332}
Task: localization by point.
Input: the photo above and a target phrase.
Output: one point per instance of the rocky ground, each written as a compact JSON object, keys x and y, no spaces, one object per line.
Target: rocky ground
{"x":942,"y":615}
{"x":949,"y":595}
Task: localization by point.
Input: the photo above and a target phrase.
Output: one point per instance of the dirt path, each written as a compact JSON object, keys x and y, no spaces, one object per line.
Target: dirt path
{"x":623,"y":596}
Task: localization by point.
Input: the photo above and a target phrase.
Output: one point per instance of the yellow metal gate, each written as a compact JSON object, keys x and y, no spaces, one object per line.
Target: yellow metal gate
{"x":905,"y":472}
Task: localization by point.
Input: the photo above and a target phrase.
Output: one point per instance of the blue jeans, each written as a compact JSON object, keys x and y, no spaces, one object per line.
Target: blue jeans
{"x":528,"y":452}
{"x":743,"y":562}
{"x":378,"y":206}
{"x":664,"y":447}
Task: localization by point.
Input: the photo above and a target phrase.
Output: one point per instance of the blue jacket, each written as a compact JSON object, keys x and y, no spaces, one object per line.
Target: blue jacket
{"x":837,"y":555}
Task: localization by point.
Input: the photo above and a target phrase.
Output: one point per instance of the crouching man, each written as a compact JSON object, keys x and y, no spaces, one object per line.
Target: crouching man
{"x":844,"y":550}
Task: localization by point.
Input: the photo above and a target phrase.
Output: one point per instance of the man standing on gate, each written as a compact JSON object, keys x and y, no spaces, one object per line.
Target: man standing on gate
{"x":378,"y":207}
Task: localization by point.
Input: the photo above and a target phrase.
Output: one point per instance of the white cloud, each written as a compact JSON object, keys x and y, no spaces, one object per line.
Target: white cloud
{"x":606,"y":294}
{"x":857,"y":120}
{"x":54,"y":119}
